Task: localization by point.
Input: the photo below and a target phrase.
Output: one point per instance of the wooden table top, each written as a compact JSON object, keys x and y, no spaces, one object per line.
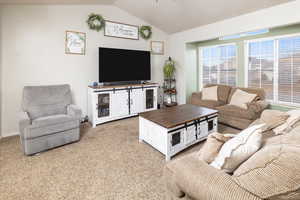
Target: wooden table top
{"x":177,"y":115}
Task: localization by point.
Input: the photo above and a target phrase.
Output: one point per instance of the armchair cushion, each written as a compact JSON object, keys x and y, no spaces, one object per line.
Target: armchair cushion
{"x":50,"y":125}
{"x":74,"y":111}
{"x":198,"y":180}
{"x":235,"y":111}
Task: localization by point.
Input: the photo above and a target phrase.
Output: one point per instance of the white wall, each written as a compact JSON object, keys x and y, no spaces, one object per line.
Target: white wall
{"x":33,"y":52}
{"x":272,"y":17}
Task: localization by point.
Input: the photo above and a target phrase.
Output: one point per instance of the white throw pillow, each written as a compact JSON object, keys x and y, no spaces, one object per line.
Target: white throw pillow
{"x":237,"y":150}
{"x":210,"y":93}
{"x":241,"y":98}
{"x":294,"y":117}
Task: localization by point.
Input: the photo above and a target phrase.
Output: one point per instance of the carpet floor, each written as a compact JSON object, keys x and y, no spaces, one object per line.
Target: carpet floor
{"x":108,"y":163}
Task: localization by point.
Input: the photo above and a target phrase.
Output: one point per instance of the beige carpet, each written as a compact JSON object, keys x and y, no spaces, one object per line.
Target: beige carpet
{"x":108,"y":164}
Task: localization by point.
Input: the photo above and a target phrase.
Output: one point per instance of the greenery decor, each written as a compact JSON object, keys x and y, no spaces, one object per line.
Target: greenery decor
{"x":146,"y":32}
{"x":169,"y":68}
{"x":95,"y":22}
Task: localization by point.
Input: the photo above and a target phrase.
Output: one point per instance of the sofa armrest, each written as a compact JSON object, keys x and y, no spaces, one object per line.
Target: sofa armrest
{"x":24,"y":121}
{"x":198,"y":180}
{"x":74,"y":111}
{"x":258,"y":106}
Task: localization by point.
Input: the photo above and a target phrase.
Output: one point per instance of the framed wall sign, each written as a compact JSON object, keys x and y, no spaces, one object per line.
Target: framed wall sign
{"x":120,"y":30}
{"x":75,"y":43}
{"x":157,"y":47}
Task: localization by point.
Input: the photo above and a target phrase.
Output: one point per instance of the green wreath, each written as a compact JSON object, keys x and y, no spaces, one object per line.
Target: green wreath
{"x":95,"y":22}
{"x":146,"y":32}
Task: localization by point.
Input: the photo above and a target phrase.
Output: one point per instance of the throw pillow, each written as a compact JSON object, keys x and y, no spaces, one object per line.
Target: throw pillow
{"x":210,"y":93}
{"x":239,"y":149}
{"x":292,"y":120}
{"x":212,"y":146}
{"x":273,"y":119}
{"x":241,"y":99}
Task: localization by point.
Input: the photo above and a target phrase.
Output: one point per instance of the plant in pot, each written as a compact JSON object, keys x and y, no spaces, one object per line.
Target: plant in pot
{"x":169,"y":70}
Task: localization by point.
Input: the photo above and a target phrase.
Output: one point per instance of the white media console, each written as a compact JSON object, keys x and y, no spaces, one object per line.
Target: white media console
{"x":107,"y":103}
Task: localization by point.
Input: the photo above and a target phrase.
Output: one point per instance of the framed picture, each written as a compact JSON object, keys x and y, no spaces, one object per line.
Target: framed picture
{"x":120,"y":30}
{"x":157,"y":47}
{"x":75,"y":43}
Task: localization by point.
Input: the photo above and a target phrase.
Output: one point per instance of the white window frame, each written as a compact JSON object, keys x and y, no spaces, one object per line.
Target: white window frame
{"x":200,"y":71}
{"x":276,"y":39}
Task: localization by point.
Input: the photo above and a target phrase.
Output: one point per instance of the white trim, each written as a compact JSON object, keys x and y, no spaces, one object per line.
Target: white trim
{"x":10,"y":134}
{"x":274,"y":37}
{"x":200,"y":69}
{"x":246,"y":63}
{"x":217,"y":45}
{"x":275,"y":71}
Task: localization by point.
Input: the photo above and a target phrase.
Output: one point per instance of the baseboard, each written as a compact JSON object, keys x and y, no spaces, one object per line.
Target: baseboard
{"x":9,"y":134}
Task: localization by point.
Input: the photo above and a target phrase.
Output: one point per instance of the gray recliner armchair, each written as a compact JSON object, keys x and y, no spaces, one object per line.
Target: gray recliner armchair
{"x":49,"y":118}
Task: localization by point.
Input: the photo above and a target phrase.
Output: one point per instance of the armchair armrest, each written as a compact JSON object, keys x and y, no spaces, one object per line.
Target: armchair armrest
{"x":258,"y":106}
{"x":74,"y":111}
{"x":24,"y":121}
{"x":195,"y":178}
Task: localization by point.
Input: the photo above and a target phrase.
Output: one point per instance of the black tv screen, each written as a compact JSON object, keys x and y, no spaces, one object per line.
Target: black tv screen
{"x":123,"y":65}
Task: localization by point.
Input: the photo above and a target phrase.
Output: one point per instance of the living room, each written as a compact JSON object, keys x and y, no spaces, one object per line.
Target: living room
{"x":120,"y":157}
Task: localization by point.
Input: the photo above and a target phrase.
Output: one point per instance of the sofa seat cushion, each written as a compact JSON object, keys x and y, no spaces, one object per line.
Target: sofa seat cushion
{"x":192,"y":177}
{"x":235,"y":111}
{"x":207,"y":103}
{"x":51,"y":124}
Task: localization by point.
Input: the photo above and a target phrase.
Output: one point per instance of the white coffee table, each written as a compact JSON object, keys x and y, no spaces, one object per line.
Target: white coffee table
{"x":171,"y":130}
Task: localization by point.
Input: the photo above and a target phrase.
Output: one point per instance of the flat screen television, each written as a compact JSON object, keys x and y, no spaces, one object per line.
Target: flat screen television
{"x":118,"y":65}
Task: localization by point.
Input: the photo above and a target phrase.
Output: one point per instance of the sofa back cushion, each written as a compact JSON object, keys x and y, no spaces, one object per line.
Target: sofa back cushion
{"x":261,"y":95}
{"x":41,"y":101}
{"x":223,"y":92}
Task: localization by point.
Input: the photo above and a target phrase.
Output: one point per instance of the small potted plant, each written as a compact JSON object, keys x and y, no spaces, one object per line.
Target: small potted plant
{"x":169,"y":68}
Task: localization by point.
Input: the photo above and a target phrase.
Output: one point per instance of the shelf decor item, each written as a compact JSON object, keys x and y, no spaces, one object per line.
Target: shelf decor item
{"x":95,"y":22}
{"x":120,"y":30}
{"x":169,"y":86}
{"x":157,"y":47}
{"x":75,"y":43}
{"x":146,"y":32}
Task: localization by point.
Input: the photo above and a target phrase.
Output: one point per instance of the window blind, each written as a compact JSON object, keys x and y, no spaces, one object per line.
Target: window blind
{"x":275,"y":66}
{"x":218,"y":65}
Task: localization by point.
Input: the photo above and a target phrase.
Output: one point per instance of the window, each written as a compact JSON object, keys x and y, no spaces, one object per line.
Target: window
{"x":218,"y":65}
{"x":275,"y":66}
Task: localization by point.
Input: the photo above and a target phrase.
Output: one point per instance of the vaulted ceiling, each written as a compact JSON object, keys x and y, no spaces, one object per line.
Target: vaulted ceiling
{"x":174,"y":15}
